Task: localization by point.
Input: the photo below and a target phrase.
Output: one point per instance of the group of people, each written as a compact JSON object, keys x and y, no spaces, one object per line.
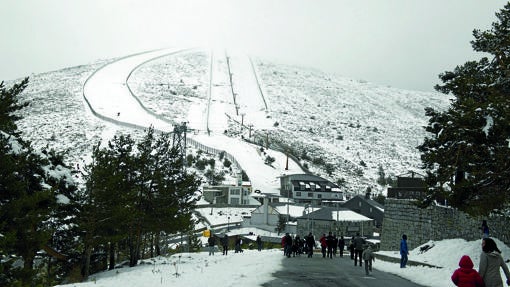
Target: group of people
{"x":330,"y":244}
{"x":212,"y":244}
{"x":225,"y":242}
{"x":491,"y":261}
{"x":296,"y":246}
{"x":488,"y":274}
{"x":361,"y":251}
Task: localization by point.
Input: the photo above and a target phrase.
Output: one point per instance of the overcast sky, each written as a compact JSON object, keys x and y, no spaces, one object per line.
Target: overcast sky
{"x":400,"y":43}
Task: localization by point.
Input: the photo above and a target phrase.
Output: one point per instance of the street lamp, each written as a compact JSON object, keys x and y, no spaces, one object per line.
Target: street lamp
{"x":228,"y":223}
{"x":307,"y":206}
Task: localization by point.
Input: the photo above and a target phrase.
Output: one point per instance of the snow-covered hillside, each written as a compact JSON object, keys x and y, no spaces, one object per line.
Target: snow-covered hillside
{"x":353,"y":125}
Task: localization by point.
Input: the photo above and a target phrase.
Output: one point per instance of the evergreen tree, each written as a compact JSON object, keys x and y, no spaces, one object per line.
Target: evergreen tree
{"x":109,"y":212}
{"x":30,"y":183}
{"x":10,"y":105}
{"x":467,"y":154}
{"x":173,"y":190}
{"x":135,"y":193}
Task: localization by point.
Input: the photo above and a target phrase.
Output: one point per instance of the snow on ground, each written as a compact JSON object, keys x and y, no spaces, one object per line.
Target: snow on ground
{"x":353,"y":125}
{"x":445,"y":254}
{"x":110,"y":96}
{"x":253,"y":268}
{"x":263,"y":177}
{"x":308,"y":115}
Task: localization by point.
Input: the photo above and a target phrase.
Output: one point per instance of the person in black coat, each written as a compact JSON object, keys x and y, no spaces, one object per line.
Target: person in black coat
{"x":358,"y":249}
{"x":212,"y":242}
{"x":310,"y":244}
{"x":330,"y":243}
{"x":259,"y":243}
{"x":288,"y":244}
{"x":224,"y":244}
{"x":341,"y":245}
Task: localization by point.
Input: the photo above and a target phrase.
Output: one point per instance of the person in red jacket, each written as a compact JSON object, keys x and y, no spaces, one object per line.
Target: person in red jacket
{"x":324,"y":245}
{"x":466,"y":276}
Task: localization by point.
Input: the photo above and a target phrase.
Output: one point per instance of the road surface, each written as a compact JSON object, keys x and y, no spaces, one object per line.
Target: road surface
{"x":338,"y":272}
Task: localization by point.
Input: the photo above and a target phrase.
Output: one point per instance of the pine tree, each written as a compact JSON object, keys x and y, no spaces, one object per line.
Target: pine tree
{"x":135,"y":193}
{"x":170,"y":188}
{"x":10,"y":105}
{"x":467,"y":154}
{"x":109,"y":202}
{"x":30,"y":183}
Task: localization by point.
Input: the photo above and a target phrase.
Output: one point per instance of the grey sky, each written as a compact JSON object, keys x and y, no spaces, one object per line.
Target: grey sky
{"x":399,"y":43}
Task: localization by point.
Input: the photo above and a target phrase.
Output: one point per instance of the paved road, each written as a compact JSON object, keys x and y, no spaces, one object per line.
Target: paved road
{"x":338,"y":272}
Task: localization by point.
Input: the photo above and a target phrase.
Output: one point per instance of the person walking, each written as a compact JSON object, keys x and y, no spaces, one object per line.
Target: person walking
{"x":212,"y":242}
{"x":341,"y":245}
{"x":485,"y":229}
{"x":296,"y":246}
{"x":330,"y":244}
{"x":358,"y":249}
{"x":466,"y":276}
{"x":324,"y":245}
{"x":490,"y":262}
{"x":335,"y":244}
{"x":310,"y":244}
{"x":368,"y":256}
{"x":288,"y":245}
{"x":259,"y":243}
{"x":224,"y":244}
{"x":404,"y":251}
{"x":237,"y":245}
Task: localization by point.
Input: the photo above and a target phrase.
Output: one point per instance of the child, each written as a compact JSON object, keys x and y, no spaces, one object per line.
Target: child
{"x":368,"y":256}
{"x":466,"y":276}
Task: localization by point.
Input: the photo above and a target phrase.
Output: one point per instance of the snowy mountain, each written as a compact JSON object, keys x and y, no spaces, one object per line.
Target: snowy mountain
{"x":339,"y":127}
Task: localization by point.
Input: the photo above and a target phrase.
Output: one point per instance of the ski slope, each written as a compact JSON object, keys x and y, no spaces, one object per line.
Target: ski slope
{"x":110,"y":98}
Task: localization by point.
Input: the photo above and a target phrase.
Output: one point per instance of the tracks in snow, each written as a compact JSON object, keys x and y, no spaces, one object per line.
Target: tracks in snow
{"x":236,"y":94}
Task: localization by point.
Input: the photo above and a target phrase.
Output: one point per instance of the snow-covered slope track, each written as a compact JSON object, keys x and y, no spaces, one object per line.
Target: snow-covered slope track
{"x":109,"y":97}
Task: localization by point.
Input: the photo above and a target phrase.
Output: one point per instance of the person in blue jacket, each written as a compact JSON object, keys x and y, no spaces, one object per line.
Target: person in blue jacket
{"x":485,"y":229}
{"x":403,"y":251}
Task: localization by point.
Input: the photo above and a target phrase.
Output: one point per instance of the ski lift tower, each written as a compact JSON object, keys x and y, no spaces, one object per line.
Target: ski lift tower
{"x":179,"y":140}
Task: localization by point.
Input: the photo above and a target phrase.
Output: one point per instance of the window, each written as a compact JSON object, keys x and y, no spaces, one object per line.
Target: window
{"x":310,"y":194}
{"x":319,"y":195}
{"x":234,"y":201}
{"x":298,"y":193}
{"x":235,"y":191}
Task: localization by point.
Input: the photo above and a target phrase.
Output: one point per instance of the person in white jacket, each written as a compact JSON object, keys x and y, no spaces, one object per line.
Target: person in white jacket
{"x":490,"y":262}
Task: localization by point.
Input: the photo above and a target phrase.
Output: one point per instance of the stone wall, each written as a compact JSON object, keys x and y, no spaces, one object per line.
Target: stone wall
{"x":434,"y":223}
